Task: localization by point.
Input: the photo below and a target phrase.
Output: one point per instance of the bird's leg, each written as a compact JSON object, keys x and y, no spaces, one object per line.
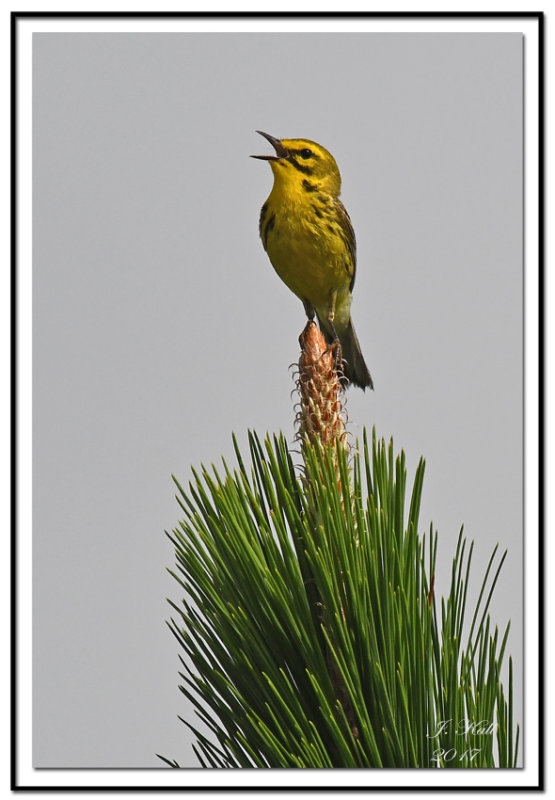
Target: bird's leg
{"x":309,"y":309}
{"x":336,"y":344}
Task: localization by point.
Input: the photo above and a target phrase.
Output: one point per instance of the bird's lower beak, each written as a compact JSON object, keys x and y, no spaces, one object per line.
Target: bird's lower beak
{"x":281,"y":151}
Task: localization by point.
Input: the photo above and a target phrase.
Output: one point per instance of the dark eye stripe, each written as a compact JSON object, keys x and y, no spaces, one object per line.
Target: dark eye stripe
{"x":300,"y":167}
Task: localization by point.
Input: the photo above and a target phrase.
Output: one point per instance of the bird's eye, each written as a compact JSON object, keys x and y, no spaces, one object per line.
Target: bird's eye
{"x":306,"y":153}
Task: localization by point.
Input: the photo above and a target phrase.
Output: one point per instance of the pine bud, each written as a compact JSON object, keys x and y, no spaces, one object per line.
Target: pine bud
{"x":321,"y":417}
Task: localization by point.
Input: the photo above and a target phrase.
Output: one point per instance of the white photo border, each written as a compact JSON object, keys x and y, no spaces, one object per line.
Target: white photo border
{"x":24,"y":24}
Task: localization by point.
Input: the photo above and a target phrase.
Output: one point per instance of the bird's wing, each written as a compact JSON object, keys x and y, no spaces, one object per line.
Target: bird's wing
{"x":348,"y":234}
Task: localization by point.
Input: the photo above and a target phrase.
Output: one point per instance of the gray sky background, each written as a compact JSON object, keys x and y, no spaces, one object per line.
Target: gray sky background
{"x":160,"y":326}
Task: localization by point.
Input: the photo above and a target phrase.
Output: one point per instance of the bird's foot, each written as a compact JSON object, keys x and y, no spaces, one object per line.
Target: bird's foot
{"x":337,"y":350}
{"x":304,"y":334}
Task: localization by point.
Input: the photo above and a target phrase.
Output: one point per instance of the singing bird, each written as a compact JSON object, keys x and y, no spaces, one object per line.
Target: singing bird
{"x":310,"y":241}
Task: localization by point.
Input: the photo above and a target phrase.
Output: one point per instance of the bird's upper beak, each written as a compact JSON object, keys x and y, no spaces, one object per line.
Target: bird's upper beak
{"x":281,"y":151}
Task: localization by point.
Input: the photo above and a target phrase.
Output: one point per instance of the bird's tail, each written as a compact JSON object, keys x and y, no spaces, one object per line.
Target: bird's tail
{"x":354,"y":367}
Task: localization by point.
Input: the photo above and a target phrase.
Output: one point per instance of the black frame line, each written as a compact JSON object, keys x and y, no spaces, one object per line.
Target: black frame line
{"x":21,"y":15}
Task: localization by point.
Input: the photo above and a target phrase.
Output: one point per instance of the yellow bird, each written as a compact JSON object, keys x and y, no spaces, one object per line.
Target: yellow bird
{"x":310,"y":241}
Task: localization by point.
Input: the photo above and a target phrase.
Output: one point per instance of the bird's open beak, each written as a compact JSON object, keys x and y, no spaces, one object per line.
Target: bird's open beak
{"x":281,"y":151}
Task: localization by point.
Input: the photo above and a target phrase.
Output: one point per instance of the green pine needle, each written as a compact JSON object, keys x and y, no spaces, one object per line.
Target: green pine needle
{"x":310,"y":631}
